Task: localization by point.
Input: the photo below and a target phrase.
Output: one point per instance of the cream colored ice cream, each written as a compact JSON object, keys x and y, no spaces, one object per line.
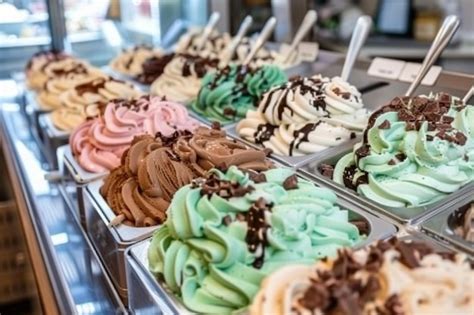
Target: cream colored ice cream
{"x":61,"y":76}
{"x":306,"y":115}
{"x":130,"y":61}
{"x":35,"y":68}
{"x":181,"y":79}
{"x":387,"y":278}
{"x":84,"y":100}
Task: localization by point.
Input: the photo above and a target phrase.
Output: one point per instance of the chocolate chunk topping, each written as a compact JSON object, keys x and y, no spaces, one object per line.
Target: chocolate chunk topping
{"x":362,"y":225}
{"x":256,"y":237}
{"x":363,"y":151}
{"x":226,"y":220}
{"x":326,"y":170}
{"x":342,"y":289}
{"x":223,"y":188}
{"x":216,"y":125}
{"x":291,"y":182}
{"x":256,"y":177}
{"x":229,"y":111}
{"x":264,"y":133}
{"x":385,"y":124}
{"x":460,"y":138}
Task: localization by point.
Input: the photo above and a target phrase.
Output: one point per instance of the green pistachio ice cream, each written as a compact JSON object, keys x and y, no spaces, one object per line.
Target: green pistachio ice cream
{"x":225,"y":233}
{"x":227,"y":95}
{"x":415,"y":151}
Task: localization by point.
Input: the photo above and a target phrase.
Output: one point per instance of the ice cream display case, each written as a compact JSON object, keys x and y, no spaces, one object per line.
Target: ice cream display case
{"x":199,"y":192}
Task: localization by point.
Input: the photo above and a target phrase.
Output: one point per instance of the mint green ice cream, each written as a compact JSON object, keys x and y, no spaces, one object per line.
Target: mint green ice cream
{"x":224,"y":234}
{"x":227,"y":95}
{"x":415,"y":152}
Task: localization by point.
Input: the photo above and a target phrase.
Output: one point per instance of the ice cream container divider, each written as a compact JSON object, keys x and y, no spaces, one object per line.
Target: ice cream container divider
{"x":207,"y":122}
{"x":74,"y":180}
{"x":52,"y":138}
{"x":33,"y":112}
{"x":441,"y":226}
{"x":148,"y":295}
{"x":398,"y":215}
{"x":110,"y":241}
{"x":293,"y":161}
{"x":109,"y":71}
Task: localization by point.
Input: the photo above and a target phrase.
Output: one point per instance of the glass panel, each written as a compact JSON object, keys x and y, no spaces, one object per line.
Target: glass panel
{"x":23,"y":31}
{"x":115,"y":24}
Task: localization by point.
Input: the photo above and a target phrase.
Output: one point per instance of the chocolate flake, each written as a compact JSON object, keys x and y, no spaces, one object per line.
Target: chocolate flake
{"x":291,"y":182}
{"x":385,"y":124}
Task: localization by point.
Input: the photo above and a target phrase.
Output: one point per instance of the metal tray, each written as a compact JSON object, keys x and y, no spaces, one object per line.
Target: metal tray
{"x":52,"y":138}
{"x":110,"y":241}
{"x":399,"y":215}
{"x":147,"y":295}
{"x":77,"y":173}
{"x":142,"y":87}
{"x":33,"y":112}
{"x":73,"y":179}
{"x":441,"y":225}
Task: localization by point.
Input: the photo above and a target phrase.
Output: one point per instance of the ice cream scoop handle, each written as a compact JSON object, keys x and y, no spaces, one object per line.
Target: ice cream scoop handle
{"x":308,"y":22}
{"x":468,"y":95}
{"x":213,"y":19}
{"x":445,"y":33}
{"x":243,"y":29}
{"x":262,"y":38}
{"x":361,"y":31}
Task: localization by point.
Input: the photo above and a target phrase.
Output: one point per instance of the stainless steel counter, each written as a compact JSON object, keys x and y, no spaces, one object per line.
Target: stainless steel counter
{"x":65,"y":263}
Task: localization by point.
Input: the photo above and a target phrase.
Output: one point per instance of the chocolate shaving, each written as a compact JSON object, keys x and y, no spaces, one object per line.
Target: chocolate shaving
{"x":291,"y":182}
{"x":326,"y":170}
{"x":385,"y":124}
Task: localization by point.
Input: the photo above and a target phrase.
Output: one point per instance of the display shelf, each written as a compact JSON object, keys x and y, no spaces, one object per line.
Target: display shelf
{"x":78,"y":280}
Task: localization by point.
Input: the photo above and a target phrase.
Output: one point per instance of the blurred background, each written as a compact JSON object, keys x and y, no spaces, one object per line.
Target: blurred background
{"x":97,"y":29}
{"x":403,"y":29}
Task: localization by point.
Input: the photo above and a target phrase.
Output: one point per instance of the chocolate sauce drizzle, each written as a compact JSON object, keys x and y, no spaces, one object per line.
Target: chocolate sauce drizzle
{"x":94,"y":86}
{"x":199,"y":64}
{"x":306,"y":86}
{"x":50,"y":55}
{"x":302,"y":135}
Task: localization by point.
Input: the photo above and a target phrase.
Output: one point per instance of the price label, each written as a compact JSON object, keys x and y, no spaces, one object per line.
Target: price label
{"x":386,"y":68}
{"x":308,"y":51}
{"x":411,"y":70}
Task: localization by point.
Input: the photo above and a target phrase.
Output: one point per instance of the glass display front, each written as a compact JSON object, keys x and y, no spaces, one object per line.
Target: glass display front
{"x":23,"y":31}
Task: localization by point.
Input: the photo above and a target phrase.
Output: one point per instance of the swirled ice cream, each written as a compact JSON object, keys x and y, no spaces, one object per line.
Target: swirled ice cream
{"x":62,"y":76}
{"x":387,"y":278}
{"x":264,"y":56}
{"x":130,"y":61}
{"x":190,"y":43}
{"x":464,"y":219}
{"x":35,"y":68}
{"x":154,"y":168}
{"x":227,"y":95}
{"x":181,"y":78}
{"x":98,"y":144}
{"x":86,"y":99}
{"x":152,"y":68}
{"x":415,"y":151}
{"x":225,"y":233}
{"x":305,"y":115}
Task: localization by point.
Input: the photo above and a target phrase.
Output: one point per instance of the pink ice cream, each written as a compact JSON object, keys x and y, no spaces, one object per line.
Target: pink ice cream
{"x":98,"y":144}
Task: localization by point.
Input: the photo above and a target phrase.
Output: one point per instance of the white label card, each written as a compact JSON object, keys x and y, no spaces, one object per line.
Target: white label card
{"x":386,"y":68}
{"x":307,"y":51}
{"x":411,"y":69}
